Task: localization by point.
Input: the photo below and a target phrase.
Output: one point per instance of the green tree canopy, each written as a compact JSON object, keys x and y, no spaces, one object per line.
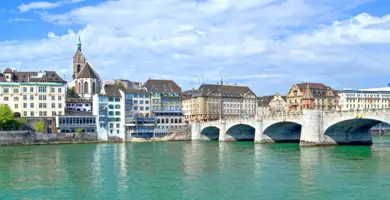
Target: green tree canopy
{"x":40,"y":126}
{"x":7,"y":118}
{"x":121,"y":86}
{"x":79,"y":130}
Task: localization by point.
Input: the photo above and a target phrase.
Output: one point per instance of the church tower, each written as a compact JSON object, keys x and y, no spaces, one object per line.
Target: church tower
{"x":78,"y":60}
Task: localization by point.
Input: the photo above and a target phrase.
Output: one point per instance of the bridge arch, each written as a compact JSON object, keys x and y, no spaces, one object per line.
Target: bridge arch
{"x":284,"y":132}
{"x":210,"y":133}
{"x":240,"y":132}
{"x":351,"y":131}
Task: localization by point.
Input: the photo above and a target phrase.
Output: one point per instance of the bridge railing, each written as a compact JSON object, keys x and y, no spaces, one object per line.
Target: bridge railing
{"x":358,"y":111}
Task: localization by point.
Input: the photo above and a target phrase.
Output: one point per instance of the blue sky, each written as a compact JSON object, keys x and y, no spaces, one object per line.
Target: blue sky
{"x":266,"y":44}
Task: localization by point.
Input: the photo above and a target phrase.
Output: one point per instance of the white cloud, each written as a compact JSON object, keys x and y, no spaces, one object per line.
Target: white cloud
{"x":269,"y":44}
{"x":43,"y":5}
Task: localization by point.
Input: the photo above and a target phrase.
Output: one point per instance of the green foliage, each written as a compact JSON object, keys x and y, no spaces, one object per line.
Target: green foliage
{"x":79,"y":131}
{"x":21,"y":122}
{"x":70,"y":92}
{"x":7,"y":118}
{"x":40,"y":126}
{"x":121,"y":86}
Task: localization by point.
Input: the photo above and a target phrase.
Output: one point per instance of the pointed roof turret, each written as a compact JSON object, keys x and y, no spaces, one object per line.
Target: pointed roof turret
{"x":307,"y":94}
{"x":79,"y":44}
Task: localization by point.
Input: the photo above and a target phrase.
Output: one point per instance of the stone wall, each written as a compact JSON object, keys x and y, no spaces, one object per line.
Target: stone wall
{"x":32,"y":138}
{"x":178,"y":135}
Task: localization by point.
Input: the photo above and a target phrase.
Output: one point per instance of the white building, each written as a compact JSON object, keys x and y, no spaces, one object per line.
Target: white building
{"x":33,"y":94}
{"x":109,"y":109}
{"x":363,"y":99}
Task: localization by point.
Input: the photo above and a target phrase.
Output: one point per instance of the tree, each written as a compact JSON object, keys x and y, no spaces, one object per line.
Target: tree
{"x":21,"y":122}
{"x":7,"y":118}
{"x":121,"y":86}
{"x":70,"y":92}
{"x":79,"y":131}
{"x":40,"y":126}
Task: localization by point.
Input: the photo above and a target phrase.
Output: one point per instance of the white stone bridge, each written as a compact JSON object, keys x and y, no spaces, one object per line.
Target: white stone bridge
{"x":309,"y":128}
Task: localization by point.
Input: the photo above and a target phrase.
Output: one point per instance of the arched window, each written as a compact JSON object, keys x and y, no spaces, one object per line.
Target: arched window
{"x":180,"y":121}
{"x":93,"y":87}
{"x":167,"y":120}
{"x":162,"y":121}
{"x":80,"y":88}
{"x":85,"y":87}
{"x":78,"y":68}
{"x":176,"y":121}
{"x":158,"y":121}
{"x":171,"y":121}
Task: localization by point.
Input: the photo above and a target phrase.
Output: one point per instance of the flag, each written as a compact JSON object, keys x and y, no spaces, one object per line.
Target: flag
{"x":371,"y":100}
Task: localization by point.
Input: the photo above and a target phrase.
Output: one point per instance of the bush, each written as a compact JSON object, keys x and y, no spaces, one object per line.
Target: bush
{"x":79,"y":131}
{"x":21,"y":122}
{"x":40,"y":126}
{"x":7,"y":118}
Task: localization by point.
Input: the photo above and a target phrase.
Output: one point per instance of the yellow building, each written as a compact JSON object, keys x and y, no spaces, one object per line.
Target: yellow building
{"x":213,"y":102}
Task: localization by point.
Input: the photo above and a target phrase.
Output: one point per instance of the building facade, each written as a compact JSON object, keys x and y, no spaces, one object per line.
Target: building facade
{"x":311,"y":96}
{"x":69,"y":124}
{"x":166,"y":105}
{"x":33,"y":94}
{"x":78,"y":104}
{"x":362,"y":100}
{"x":271,"y":105}
{"x":109,"y":109}
{"x":212,"y":102}
{"x":86,"y":81}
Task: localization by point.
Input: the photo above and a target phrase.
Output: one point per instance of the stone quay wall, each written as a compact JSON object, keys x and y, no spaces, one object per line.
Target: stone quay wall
{"x":34,"y":138}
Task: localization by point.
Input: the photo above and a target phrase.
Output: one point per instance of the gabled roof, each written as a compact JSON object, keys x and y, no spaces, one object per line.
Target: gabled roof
{"x":112,"y":90}
{"x":88,"y":72}
{"x":303,"y":86}
{"x":153,"y":85}
{"x":135,"y":91}
{"x":45,"y":76}
{"x":264,"y":100}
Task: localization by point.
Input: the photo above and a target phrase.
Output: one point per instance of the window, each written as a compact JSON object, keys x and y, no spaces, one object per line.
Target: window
{"x":59,"y":113}
{"x":25,"y":90}
{"x":31,"y":105}
{"x":146,"y":96}
{"x":16,"y":105}
{"x":59,"y":105}
{"x":111,"y":126}
{"x":135,"y":95}
{"x":32,"y":113}
{"x":42,"y":89}
{"x":147,"y":102}
{"x":40,"y":113}
{"x":135,"y":107}
{"x":117,"y":125}
{"x":44,"y":113}
{"x":53,"y":113}
{"x":25,"y":97}
{"x":141,"y":102}
{"x":135,"y":102}
{"x":59,"y":98}
{"x":141,"y":108}
{"x":147,"y":108}
{"x":16,"y":98}
{"x":110,"y":99}
{"x":53,"y":90}
{"x":5,"y":98}
{"x":53,"y":98}
{"x":16,"y":90}
{"x":31,"y":97}
{"x":117,"y":106}
{"x":24,"y":105}
{"x":111,"y":113}
{"x":141,"y":95}
{"x":53,"y":105}
{"x":5,"y":90}
{"x":40,"y":105}
{"x":117,"y":99}
{"x":117,"y":113}
{"x":25,"y":113}
{"x":111,"y":106}
{"x":59,"y":90}
{"x":31,"y":89}
{"x":117,"y":131}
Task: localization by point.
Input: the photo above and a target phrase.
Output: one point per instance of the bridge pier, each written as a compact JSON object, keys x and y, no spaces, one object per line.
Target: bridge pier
{"x":312,"y":133}
{"x":222,"y":131}
{"x":260,"y":137}
{"x":195,"y":131}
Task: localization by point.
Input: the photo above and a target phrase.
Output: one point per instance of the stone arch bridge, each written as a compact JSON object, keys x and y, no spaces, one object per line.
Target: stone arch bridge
{"x":309,"y":128}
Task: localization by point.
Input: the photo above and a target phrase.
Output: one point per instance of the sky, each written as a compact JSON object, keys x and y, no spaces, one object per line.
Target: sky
{"x":268,"y":45}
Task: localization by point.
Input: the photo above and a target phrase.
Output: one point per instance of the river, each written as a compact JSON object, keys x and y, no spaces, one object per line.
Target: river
{"x":195,"y":170}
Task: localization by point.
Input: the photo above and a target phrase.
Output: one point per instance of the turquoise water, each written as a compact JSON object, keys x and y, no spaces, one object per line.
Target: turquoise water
{"x":195,"y":170}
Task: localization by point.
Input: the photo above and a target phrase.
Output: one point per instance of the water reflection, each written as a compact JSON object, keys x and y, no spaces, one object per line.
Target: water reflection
{"x":309,"y":160}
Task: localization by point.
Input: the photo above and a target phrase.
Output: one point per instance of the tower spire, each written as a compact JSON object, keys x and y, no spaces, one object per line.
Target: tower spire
{"x":221,"y":81}
{"x":79,"y":44}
